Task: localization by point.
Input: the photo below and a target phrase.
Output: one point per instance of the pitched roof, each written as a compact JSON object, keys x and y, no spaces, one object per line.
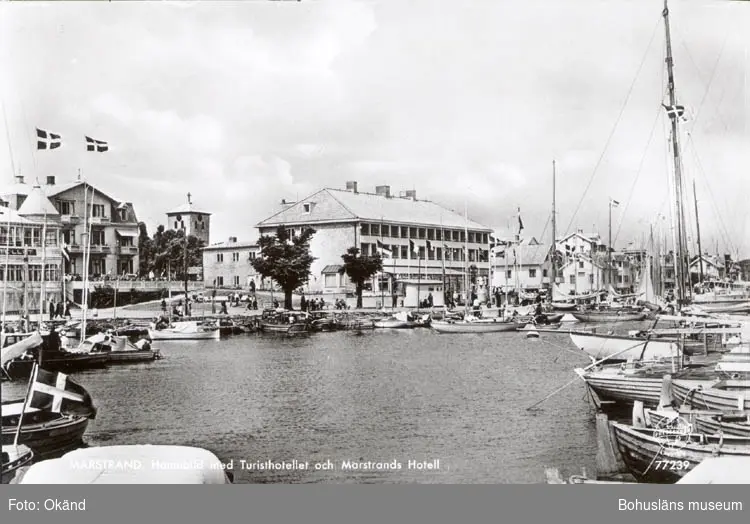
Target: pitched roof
{"x":338,"y":205}
{"x":331,"y":268}
{"x":187,"y":208}
{"x":37,"y":203}
{"x":231,"y":245}
{"x":527,"y":255}
{"x":15,"y":218}
{"x":53,"y":189}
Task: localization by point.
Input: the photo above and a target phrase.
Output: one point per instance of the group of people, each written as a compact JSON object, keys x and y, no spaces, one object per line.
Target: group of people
{"x":58,"y":310}
{"x":314,"y":304}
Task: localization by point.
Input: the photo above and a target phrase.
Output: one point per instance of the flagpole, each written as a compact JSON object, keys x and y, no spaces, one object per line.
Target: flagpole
{"x":42,"y":292}
{"x":380,"y":280}
{"x":442,"y":258}
{"x":32,"y":379}
{"x":419,"y":275}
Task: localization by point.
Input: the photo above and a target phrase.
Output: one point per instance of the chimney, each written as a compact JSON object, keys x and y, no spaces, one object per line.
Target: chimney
{"x":351,"y":186}
{"x":19,"y":179}
{"x":383,"y":191}
{"x":232,"y":240}
{"x":50,"y":180}
{"x":285,"y":204}
{"x":411,"y":193}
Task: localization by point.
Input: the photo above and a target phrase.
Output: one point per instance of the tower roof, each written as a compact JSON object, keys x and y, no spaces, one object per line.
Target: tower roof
{"x":37,"y":204}
{"x":186,"y":209}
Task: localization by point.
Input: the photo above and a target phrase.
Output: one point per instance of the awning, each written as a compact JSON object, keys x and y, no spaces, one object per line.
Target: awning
{"x":126,"y":233}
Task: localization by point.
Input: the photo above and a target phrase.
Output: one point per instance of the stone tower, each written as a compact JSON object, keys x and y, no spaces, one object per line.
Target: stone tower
{"x":195,"y":222}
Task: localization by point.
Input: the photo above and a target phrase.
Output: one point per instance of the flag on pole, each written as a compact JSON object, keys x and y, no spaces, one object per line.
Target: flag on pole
{"x":412,"y":247}
{"x":675,"y":111}
{"x":429,"y":246}
{"x":384,"y":251}
{"x":64,"y":251}
{"x":615,"y":203}
{"x":520,"y":222}
{"x":58,"y":393}
{"x":96,"y":145}
{"x":47,"y":140}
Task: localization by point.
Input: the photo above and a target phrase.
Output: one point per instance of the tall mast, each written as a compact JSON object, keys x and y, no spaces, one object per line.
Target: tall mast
{"x":698,"y":231}
{"x":553,"y":280}
{"x":681,"y":233}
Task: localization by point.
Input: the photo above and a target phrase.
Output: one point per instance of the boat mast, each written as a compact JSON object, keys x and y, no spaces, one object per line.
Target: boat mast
{"x":698,"y":231}
{"x":553,"y":280}
{"x":185,"y":261}
{"x":681,"y":247}
{"x":466,"y":259}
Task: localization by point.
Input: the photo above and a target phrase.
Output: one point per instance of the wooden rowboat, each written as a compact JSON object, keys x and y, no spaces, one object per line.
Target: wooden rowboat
{"x":621,"y":347}
{"x":14,"y":458}
{"x":476,"y":326}
{"x":608,"y":316}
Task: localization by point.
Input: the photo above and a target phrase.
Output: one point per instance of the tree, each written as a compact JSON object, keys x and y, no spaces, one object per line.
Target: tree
{"x":359,"y":269}
{"x":166,"y":251}
{"x":286,"y":259}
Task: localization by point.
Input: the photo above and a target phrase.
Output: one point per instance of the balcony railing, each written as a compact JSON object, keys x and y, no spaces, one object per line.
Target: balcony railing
{"x":100,"y":220}
{"x":70,"y":219}
{"x":126,"y":250}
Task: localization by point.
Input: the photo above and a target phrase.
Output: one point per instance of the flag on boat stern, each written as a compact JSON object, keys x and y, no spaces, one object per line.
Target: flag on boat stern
{"x":384,"y":251}
{"x":96,"y":145}
{"x":47,"y":140}
{"x":58,"y":393}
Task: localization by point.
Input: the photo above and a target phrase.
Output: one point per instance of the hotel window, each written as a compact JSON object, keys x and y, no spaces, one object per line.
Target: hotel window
{"x":365,"y":229}
{"x":235,"y":258}
{"x":219,"y":281}
{"x":625,"y":279}
{"x":394,"y":251}
{"x":97,"y":237}
{"x":220,"y":257}
{"x":251,"y":255}
{"x":463,"y":236}
{"x":236,"y":280}
{"x":365,"y":249}
{"x":421,"y":252}
{"x":471,"y":237}
{"x":591,"y":278}
{"x":4,"y":241}
{"x":375,"y":230}
{"x":438,"y":234}
{"x":532,"y":273}
{"x":422,"y":232}
{"x":439,"y":253}
{"x":572,"y":279}
{"x":580,"y":264}
{"x":447,"y":253}
{"x":97,"y":210}
{"x":386,"y":231}
{"x":126,"y":241}
{"x":331,"y":280}
{"x":619,"y":279}
{"x":509,"y":273}
{"x":430,"y":234}
{"x":412,"y":232}
{"x":404,"y":232}
{"x":544,"y":272}
{"x":431,"y":254}
{"x":306,"y":207}
{"x":472,"y":255}
{"x":405,"y":252}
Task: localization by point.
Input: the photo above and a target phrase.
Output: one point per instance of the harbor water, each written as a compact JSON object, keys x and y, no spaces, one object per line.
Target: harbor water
{"x":353,"y":407}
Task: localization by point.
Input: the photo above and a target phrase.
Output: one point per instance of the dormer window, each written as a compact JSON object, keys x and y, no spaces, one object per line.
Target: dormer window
{"x":307,"y":207}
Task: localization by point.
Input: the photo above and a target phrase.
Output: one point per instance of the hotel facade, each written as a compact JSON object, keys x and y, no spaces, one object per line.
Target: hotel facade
{"x":419,"y":239}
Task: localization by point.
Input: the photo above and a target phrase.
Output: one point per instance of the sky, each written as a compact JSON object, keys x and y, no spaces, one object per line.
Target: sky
{"x":244,"y":104}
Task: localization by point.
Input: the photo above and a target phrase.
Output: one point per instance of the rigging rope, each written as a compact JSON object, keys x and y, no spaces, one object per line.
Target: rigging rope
{"x":614,"y":128}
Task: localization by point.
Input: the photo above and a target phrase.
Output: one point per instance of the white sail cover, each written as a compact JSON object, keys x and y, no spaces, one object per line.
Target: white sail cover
{"x":19,"y":348}
{"x":646,"y":291}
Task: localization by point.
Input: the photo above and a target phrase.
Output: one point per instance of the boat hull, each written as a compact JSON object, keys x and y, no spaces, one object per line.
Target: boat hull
{"x":622,"y":388}
{"x":17,"y":458}
{"x":712,"y":425}
{"x":650,"y":459}
{"x":168,"y":334}
{"x":473,"y":327}
{"x":623,"y":348}
{"x":285,"y":329}
{"x":703,"y":394}
{"x":20,"y":369}
{"x":394,"y":324}
{"x":608,"y":317}
{"x":49,"y":439}
{"x":121,"y":357}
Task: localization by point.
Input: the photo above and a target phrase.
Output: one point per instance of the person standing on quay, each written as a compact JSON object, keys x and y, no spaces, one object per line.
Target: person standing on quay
{"x":52,"y":309}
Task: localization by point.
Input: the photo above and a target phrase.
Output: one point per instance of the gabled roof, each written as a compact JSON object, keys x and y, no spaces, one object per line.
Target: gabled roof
{"x":231,"y":245}
{"x":592,"y":239}
{"x":337,"y":205}
{"x":185,"y":209}
{"x":37,"y":204}
{"x":54,"y":189}
{"x":526,"y":255}
{"x":331,"y":268}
